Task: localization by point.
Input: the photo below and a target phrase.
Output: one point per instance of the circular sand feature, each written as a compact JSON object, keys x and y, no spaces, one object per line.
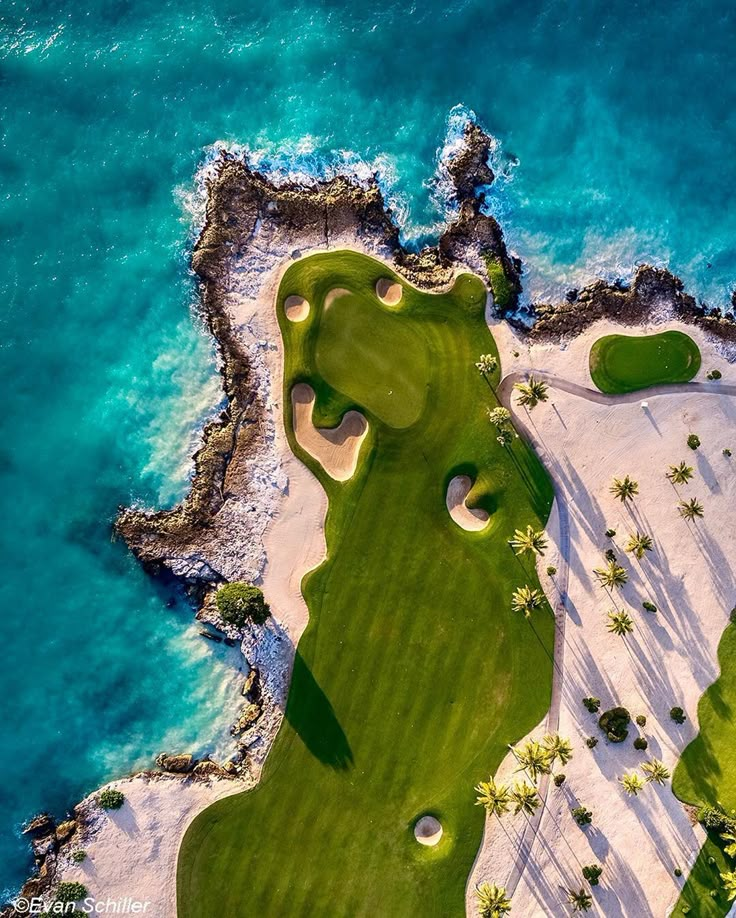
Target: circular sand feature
{"x":296,"y":308}
{"x":388,"y":291}
{"x":428,"y":830}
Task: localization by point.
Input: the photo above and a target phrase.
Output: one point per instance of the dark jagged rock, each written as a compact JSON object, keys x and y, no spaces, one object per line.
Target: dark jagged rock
{"x":469,"y":168}
{"x":180,"y":763}
{"x":651,"y":290}
{"x":210,"y":769}
{"x":252,"y":686}
{"x":40,"y":825}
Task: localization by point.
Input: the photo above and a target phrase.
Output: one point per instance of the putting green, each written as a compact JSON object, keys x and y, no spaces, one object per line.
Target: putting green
{"x":706,"y":773}
{"x":413,"y":674}
{"x":626,"y":363}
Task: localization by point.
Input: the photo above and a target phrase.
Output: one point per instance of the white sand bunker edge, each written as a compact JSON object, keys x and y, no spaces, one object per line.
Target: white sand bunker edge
{"x":388,"y":291}
{"x":428,"y":831}
{"x":296,"y":308}
{"x":335,"y":449}
{"x":457,"y":490}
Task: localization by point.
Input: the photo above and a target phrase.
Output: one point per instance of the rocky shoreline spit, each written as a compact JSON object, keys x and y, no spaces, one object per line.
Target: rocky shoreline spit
{"x":255,"y":225}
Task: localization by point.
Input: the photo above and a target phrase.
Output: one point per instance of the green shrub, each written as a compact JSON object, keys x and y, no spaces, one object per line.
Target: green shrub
{"x":582,"y":815}
{"x":592,"y":704}
{"x":111,"y":799}
{"x":71,"y":892}
{"x":714,"y":374}
{"x":641,"y":720}
{"x":551,"y":570}
{"x":693,"y":441}
{"x":240,"y":602}
{"x":649,"y":606}
{"x":592,"y":873}
{"x":678,"y":715}
{"x":591,"y":742}
{"x":615,"y":723}
{"x":559,"y":779}
{"x":503,"y":292}
{"x":714,"y":819}
{"x":610,"y":554}
{"x":727,"y":452}
{"x":640,"y":743}
{"x":678,"y":872}
{"x":610,"y":533}
{"x":78,"y":856}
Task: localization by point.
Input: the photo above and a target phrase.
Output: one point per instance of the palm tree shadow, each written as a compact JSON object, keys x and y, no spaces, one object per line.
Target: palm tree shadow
{"x":313,"y":718}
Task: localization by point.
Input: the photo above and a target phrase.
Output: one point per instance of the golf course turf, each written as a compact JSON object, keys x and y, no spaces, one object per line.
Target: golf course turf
{"x":413,"y":674}
{"x":627,"y":363}
{"x":706,"y":773}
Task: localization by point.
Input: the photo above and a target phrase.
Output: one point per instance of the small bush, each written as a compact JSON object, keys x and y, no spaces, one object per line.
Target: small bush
{"x":591,"y":742}
{"x":582,"y":815}
{"x":678,"y":872}
{"x":501,"y":287}
{"x":240,"y":602}
{"x":79,"y":856}
{"x":592,"y":873}
{"x":714,"y":893}
{"x":714,"y":374}
{"x":678,"y":715}
{"x":610,"y":533}
{"x":641,"y":720}
{"x":712,"y":861}
{"x":111,"y":799}
{"x":640,"y":743}
{"x":715,"y":819}
{"x":615,"y":723}
{"x":727,"y":452}
{"x":71,"y":892}
{"x":693,"y":441}
{"x":649,"y":606}
{"x":559,"y":779}
{"x":610,"y":554}
{"x":592,"y":704}
{"x":551,"y":570}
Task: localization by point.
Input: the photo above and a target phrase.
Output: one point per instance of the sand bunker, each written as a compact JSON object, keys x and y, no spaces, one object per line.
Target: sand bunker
{"x":335,"y":449}
{"x":428,"y":830}
{"x":296,"y":308}
{"x":334,"y":294}
{"x":388,"y":291}
{"x":457,"y":490}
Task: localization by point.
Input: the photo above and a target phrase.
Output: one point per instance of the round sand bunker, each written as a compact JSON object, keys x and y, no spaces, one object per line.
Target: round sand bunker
{"x":296,"y":308}
{"x":428,"y":830}
{"x":388,"y":291}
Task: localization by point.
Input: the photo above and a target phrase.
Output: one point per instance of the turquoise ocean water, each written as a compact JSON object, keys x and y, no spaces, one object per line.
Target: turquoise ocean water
{"x":622,"y":117}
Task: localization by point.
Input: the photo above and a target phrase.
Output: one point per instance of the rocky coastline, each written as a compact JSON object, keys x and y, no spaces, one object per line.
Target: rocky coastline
{"x":255,"y":225}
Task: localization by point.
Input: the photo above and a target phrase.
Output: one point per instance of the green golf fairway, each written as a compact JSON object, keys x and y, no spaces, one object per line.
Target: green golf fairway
{"x":626,"y":363}
{"x":706,"y":773}
{"x":413,"y":674}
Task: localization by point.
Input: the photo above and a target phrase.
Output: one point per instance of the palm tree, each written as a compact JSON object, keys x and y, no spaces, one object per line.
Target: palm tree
{"x":612,"y":575}
{"x":533,"y":540}
{"x":558,"y":748}
{"x":730,"y":848}
{"x":500,"y":417}
{"x":580,"y":900}
{"x":492,"y":900}
{"x":639,"y":543}
{"x":631,"y":783}
{"x":620,"y":623}
{"x":533,"y":758}
{"x":689,"y":509}
{"x":656,"y":770}
{"x":729,"y":884}
{"x":525,"y":797}
{"x":680,"y":474}
{"x":486,"y":364}
{"x":494,"y":797}
{"x":505,"y":438}
{"x":531,"y":393}
{"x":624,"y":488}
{"x":525,"y":599}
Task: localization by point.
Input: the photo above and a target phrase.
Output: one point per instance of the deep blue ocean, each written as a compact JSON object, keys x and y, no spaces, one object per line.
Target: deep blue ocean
{"x":622,"y":117}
